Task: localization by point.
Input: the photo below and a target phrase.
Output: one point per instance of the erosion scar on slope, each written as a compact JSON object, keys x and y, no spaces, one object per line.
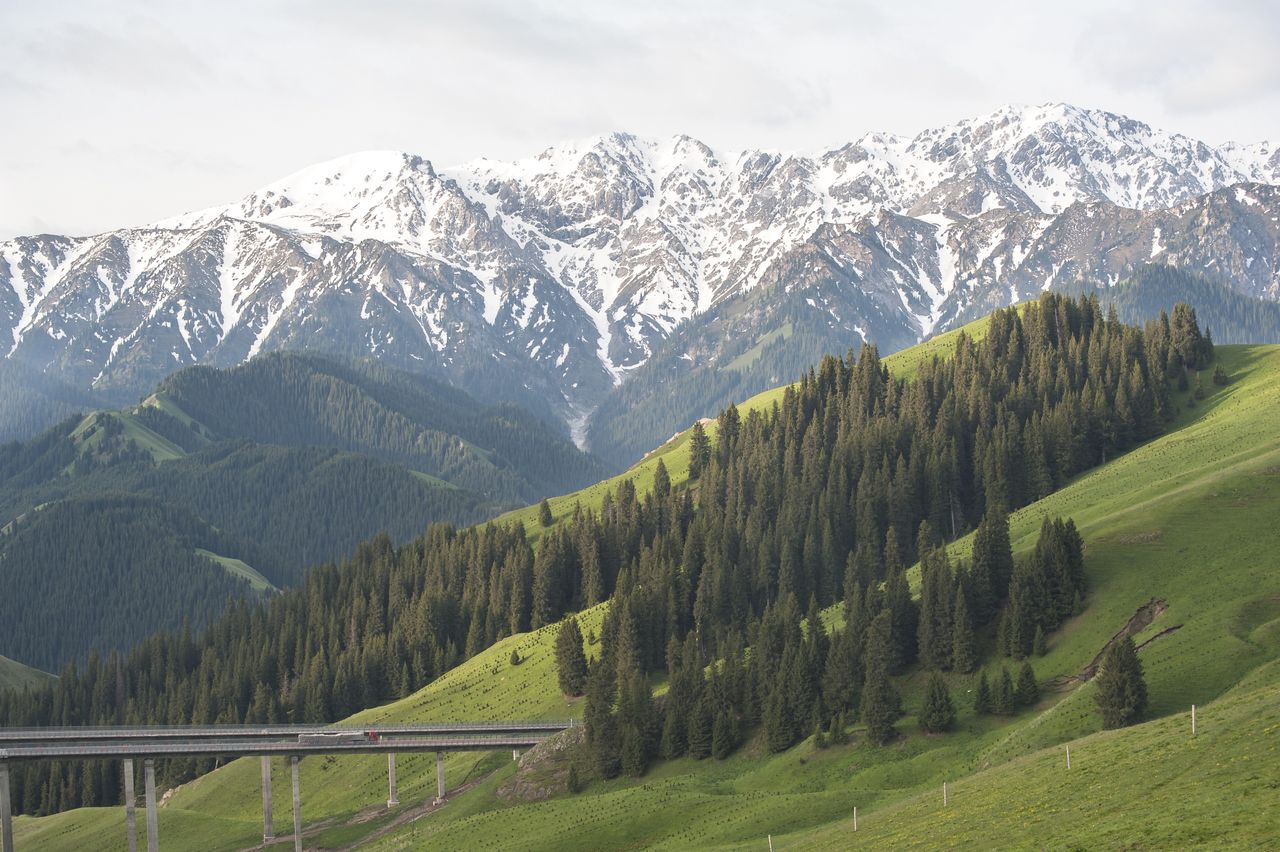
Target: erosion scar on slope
{"x":1140,"y":620}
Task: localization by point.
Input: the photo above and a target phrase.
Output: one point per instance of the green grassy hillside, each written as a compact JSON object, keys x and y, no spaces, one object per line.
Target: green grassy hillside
{"x":1187,"y":520}
{"x":14,"y":675}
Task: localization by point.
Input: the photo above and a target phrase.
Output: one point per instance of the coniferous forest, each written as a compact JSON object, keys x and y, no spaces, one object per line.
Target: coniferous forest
{"x":285,"y":462}
{"x":827,"y":498}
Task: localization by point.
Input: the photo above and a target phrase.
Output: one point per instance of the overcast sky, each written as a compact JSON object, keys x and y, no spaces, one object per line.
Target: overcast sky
{"x":119,"y":112}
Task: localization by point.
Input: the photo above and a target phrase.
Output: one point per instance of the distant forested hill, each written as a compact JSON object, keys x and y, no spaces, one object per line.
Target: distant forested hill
{"x":501,"y":451}
{"x":226,"y":484}
{"x":33,"y":402}
{"x":1231,"y":316}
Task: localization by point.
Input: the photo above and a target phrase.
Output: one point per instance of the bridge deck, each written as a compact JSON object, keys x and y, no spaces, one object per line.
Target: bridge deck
{"x":24,"y":736}
{"x":211,"y":748}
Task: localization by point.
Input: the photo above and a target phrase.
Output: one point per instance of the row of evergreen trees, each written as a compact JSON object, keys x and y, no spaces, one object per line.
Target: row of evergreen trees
{"x":787,"y":674}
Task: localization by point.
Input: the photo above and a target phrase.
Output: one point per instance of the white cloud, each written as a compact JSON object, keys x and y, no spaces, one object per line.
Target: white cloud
{"x":123,"y":111}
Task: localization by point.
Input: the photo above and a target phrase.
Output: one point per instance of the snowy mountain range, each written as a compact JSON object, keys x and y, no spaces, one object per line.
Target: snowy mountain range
{"x":550,"y":281}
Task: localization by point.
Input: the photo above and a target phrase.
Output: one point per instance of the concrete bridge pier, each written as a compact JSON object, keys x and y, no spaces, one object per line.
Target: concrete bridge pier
{"x":268,"y":831}
{"x":6,"y":811}
{"x":130,"y":806}
{"x":153,"y":829}
{"x":297,"y":805}
{"x":439,"y":778}
{"x":392,"y":800}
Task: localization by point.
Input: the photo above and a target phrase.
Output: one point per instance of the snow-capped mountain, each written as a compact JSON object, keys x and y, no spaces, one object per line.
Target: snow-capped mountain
{"x":549,"y":280}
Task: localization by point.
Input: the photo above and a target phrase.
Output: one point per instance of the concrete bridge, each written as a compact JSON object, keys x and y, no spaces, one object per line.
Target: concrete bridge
{"x":291,"y":741}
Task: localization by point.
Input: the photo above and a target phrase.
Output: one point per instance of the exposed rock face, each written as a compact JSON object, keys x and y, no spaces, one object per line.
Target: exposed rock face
{"x":550,"y":280}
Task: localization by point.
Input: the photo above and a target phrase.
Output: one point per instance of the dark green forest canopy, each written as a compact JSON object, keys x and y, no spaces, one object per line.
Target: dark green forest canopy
{"x":286,"y":462}
{"x":290,"y":399}
{"x":826,"y":497}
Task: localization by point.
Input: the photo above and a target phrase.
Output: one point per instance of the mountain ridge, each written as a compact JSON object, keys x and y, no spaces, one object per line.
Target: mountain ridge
{"x":548,"y":281}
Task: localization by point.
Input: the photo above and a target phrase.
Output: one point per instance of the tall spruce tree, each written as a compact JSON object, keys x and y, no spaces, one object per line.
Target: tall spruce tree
{"x":1003,"y":700}
{"x":880,"y":702}
{"x":699,"y":451}
{"x":1122,"y":689}
{"x":964,"y":651}
{"x":701,"y":729}
{"x":571,"y":662}
{"x":724,"y":735}
{"x":1027,"y":691}
{"x":982,"y":696}
{"x":938,"y":714}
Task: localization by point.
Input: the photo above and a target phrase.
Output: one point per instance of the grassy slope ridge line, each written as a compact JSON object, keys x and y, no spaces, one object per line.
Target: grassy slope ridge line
{"x":675,"y":452}
{"x":14,"y":675}
{"x":1177,"y":518}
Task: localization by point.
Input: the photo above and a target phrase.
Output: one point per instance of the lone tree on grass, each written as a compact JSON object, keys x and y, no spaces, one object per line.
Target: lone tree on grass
{"x":571,"y":662}
{"x":544,"y":513}
{"x":1122,"y":691}
{"x":939,"y":714}
{"x":699,"y":451}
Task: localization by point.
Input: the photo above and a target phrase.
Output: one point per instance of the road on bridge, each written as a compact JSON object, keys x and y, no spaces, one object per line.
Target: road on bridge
{"x":266,"y":741}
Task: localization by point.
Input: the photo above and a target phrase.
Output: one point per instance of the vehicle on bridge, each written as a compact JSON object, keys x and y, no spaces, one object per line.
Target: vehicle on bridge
{"x":339,"y":737}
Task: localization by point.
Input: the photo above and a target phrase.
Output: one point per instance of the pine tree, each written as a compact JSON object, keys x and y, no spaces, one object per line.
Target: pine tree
{"x":939,"y":714}
{"x":661,"y":481}
{"x":839,"y":731}
{"x":574,"y":783}
{"x":699,"y":451}
{"x":724,"y":735}
{"x":1002,"y":634}
{"x":982,"y":696}
{"x":700,"y":730}
{"x":1122,"y":690}
{"x":880,"y":702}
{"x":544,"y":513}
{"x":1038,"y":646}
{"x":1027,"y":692}
{"x":571,"y":662}
{"x":674,"y":729}
{"x":1002,"y":702}
{"x":964,"y":652}
{"x":633,"y":760}
{"x":779,"y":726}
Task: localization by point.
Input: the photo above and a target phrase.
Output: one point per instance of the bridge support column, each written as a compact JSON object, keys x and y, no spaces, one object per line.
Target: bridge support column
{"x":6,"y":811}
{"x":515,"y":754}
{"x":130,"y":806}
{"x":392,"y":800}
{"x":297,"y":805}
{"x":153,"y":828}
{"x":439,"y":778}
{"x":268,"y":830}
